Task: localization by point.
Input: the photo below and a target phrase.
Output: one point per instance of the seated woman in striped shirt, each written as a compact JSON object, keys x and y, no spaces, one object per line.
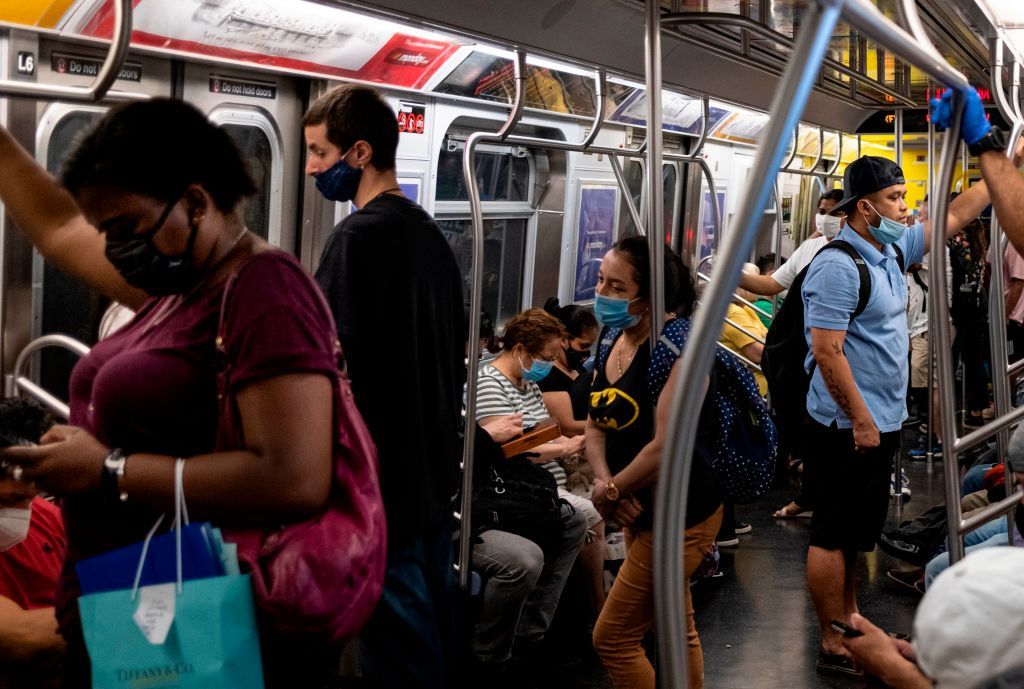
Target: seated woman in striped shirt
{"x":523,"y":582}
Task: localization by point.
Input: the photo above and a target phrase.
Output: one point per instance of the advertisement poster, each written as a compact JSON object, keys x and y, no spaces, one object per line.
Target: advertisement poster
{"x":598,"y":206}
{"x":291,"y":34}
{"x":682,"y":114}
{"x":706,"y":239}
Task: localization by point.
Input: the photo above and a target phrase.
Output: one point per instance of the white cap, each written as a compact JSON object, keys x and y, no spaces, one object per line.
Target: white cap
{"x":969,"y":627}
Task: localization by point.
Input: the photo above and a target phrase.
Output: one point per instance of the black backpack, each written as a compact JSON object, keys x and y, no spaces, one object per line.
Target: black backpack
{"x":785,"y":345}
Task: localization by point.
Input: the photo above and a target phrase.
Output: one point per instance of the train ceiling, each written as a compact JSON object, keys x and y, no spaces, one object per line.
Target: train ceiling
{"x":453,"y":47}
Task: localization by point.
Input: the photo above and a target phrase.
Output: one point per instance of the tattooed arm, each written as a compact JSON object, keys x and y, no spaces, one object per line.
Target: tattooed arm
{"x":827,"y":348}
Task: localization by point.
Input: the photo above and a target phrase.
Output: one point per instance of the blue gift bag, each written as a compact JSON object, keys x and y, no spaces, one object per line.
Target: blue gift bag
{"x":188,"y":634}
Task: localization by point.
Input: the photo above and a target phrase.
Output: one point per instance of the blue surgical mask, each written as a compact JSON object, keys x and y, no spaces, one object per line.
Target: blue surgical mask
{"x":340,"y":182}
{"x":538,"y":370}
{"x":614,"y":312}
{"x":888,"y":230}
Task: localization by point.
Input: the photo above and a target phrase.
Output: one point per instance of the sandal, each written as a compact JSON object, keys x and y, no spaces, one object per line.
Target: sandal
{"x":840,"y":664}
{"x":793,"y":510}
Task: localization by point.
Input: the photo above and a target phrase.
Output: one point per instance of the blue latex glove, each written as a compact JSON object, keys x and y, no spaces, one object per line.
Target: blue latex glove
{"x":975,"y":124}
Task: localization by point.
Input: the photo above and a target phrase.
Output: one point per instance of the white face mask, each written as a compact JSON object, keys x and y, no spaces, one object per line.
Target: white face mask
{"x":14,"y":522}
{"x":828,"y":225}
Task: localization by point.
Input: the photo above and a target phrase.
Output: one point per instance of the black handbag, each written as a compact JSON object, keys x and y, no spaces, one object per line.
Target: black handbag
{"x":517,"y":496}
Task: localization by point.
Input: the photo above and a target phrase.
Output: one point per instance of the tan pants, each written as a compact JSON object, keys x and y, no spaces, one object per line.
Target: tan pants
{"x":629,"y":611}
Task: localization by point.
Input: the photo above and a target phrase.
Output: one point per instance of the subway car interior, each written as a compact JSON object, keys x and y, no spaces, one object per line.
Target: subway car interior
{"x":537,"y":134}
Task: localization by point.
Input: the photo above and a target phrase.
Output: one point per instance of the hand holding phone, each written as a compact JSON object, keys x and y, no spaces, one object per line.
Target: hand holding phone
{"x":846,"y":630}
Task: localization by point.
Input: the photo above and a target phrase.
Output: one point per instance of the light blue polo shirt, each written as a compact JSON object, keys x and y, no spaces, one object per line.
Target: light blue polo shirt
{"x":876,"y":341}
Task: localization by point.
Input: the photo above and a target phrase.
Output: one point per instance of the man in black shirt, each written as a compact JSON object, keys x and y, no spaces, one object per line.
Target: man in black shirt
{"x":396,"y":294}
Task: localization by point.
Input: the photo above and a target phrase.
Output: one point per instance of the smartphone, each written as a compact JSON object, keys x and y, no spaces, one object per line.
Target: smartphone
{"x":846,"y":630}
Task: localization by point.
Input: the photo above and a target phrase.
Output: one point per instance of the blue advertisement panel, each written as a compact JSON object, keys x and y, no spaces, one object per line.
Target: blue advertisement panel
{"x":596,"y":232}
{"x":706,"y":239}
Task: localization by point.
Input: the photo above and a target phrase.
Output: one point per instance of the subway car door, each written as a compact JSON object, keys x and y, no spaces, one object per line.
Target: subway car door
{"x":61,"y":304}
{"x":263,"y":115}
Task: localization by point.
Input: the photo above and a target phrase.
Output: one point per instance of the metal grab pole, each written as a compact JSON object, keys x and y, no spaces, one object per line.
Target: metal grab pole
{"x":105,"y":78}
{"x":898,"y":136}
{"x":519,"y":102}
{"x":616,"y":166}
{"x":670,"y":507}
{"x":655,"y":190}
{"x":778,"y":241}
{"x":473,"y":355}
{"x":707,"y":278}
{"x":938,"y":313}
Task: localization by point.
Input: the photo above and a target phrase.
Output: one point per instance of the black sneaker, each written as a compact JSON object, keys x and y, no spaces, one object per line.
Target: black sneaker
{"x":742,"y":528}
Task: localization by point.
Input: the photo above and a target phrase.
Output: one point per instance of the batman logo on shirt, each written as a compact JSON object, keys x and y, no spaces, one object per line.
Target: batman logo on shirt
{"x":613,"y":410}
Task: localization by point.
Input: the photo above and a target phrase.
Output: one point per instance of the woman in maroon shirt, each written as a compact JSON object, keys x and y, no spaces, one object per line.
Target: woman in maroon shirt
{"x":154,"y":220}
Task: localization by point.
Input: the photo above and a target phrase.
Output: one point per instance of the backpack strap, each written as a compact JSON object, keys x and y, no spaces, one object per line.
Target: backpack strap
{"x":862,"y":269}
{"x":900,"y":260}
{"x":606,"y":340}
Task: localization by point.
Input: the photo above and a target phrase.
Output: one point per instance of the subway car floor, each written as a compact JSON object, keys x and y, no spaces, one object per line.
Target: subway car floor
{"x":756,"y":622}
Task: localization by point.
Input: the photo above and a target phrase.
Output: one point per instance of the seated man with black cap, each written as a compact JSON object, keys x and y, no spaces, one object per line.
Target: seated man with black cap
{"x":856,"y":401}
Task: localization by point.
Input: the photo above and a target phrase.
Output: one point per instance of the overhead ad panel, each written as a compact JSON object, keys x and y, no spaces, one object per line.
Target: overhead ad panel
{"x":289,"y":34}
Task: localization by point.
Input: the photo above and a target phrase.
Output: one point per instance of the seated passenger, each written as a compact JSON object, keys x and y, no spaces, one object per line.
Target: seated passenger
{"x":32,"y":543}
{"x":565,"y":394}
{"x":625,"y":443}
{"x":524,"y":583}
{"x":968,"y":630}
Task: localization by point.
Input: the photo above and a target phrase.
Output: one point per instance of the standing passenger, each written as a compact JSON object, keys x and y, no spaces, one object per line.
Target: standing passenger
{"x":856,"y":400}
{"x":625,"y":439}
{"x":389,"y":260}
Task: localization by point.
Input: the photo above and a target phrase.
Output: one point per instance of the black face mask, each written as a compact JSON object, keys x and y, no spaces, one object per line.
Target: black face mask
{"x":142,"y":265}
{"x":575,"y":358}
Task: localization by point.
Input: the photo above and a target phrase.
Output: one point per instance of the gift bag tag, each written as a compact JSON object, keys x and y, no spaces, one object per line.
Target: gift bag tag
{"x":155,"y":613}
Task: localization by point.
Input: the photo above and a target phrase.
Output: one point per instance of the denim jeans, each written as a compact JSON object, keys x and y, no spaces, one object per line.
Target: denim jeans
{"x":987,"y":535}
{"x":522,"y":588}
{"x":409,"y":641}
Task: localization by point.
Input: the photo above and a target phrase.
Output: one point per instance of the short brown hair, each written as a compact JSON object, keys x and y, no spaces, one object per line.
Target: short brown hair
{"x":351,"y":113}
{"x":533,"y":329}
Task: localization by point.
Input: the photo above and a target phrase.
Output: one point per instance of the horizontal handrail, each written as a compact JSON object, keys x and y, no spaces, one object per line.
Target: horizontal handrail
{"x":754,"y":26}
{"x":705,"y":278}
{"x":980,"y":435}
{"x":744,"y":360}
{"x":20,"y":383}
{"x":105,"y":77}
{"x":991,"y":512}
{"x":744,"y":331}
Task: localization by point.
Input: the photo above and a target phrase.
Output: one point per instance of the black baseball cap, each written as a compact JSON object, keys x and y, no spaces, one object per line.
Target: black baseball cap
{"x":864,"y":176}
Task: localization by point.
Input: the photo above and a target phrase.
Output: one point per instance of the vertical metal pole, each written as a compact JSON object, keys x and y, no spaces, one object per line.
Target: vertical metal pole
{"x":655,"y":191}
{"x":473,"y":354}
{"x":670,"y":507}
{"x":938,"y":314}
{"x":929,"y":446}
{"x":898,"y":138}
{"x":997,"y":331}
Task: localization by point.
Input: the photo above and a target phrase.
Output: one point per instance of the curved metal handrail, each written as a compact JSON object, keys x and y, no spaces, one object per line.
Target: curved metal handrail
{"x":18,"y":382}
{"x":1002,"y":102}
{"x":105,"y":77}
{"x":703,"y":277}
{"x":602,"y":86}
{"x":519,"y":74}
{"x":839,"y":156}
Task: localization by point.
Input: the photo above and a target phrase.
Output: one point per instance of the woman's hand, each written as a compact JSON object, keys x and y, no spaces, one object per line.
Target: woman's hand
{"x":599,"y":496}
{"x":627,"y":511}
{"x":573,"y":445}
{"x":68,"y":461}
{"x":504,"y":428}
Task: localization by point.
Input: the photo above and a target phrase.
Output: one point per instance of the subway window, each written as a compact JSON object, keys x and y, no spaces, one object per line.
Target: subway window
{"x":504,"y":254}
{"x":502,"y":176}
{"x":255,"y":148}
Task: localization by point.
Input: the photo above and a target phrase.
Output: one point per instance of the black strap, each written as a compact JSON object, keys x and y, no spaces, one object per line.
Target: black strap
{"x":862,"y":269}
{"x":924,"y":288}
